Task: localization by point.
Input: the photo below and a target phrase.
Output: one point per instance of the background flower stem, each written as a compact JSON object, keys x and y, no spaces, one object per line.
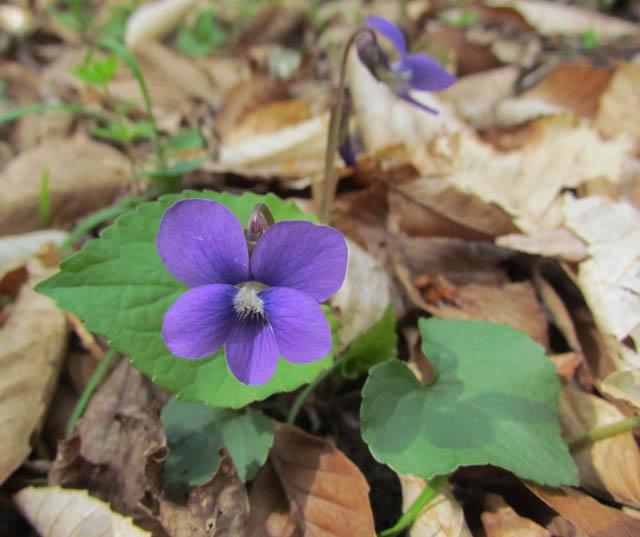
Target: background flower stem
{"x":323,"y":204}
{"x":606,"y":431}
{"x":95,"y":379}
{"x":428,"y":494}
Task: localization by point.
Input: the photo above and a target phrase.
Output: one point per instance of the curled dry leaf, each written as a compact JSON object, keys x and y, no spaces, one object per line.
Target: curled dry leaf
{"x":609,"y":467}
{"x":216,"y":508}
{"x":624,"y":385}
{"x":152,"y":21}
{"x":57,"y":512}
{"x":32,"y":345}
{"x":551,"y":19}
{"x":97,"y":176}
{"x":619,"y":110}
{"x":500,"y":520}
{"x":559,"y":243}
{"x":328,"y":495}
{"x":592,"y":517}
{"x":16,"y":250}
{"x":610,"y":277}
{"x":118,"y":445}
{"x":442,"y":517}
{"x":360,"y":310}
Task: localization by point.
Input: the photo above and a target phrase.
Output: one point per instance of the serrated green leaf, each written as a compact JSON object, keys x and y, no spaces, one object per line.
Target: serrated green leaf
{"x":196,"y":432}
{"x":120,"y":288}
{"x":493,"y":401}
{"x":376,"y":345}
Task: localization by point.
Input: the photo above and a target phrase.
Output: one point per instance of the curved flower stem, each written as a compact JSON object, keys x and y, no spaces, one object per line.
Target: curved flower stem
{"x":428,"y":494}
{"x":95,"y":379}
{"x":606,"y":431}
{"x":302,"y":396}
{"x":261,"y":208}
{"x":329,"y":180}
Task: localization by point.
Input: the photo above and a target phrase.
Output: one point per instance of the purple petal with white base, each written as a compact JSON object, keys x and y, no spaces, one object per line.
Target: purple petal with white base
{"x":426,"y":72}
{"x":202,"y":242}
{"x":252,"y":351}
{"x":299,"y":325}
{"x":390,"y":31}
{"x":301,"y":255}
{"x":198,"y":322}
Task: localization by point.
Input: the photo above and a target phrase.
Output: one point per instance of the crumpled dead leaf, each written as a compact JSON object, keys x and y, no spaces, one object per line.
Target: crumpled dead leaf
{"x":559,"y":243}
{"x":442,"y":517}
{"x":217,"y":508}
{"x":57,"y":512}
{"x":32,"y":345}
{"x":98,"y":174}
{"x":117,"y":447}
{"x":609,"y":467}
{"x":623,"y":385}
{"x":16,"y":250}
{"x":594,"y":518}
{"x":501,"y":520}
{"x":152,"y":21}
{"x":359,"y":310}
{"x":328,"y":495}
{"x":552,"y":18}
{"x":610,"y":277}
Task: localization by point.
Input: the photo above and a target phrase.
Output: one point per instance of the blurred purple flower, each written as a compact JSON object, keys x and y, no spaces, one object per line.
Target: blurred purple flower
{"x":411,"y":71}
{"x":259,"y":306}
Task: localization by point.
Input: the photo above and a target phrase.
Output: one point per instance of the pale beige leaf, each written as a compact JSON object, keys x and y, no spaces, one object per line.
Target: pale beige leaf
{"x":619,"y":111}
{"x":552,"y":18}
{"x":526,"y":183}
{"x":609,"y":467}
{"x":442,"y":517}
{"x":328,"y":495}
{"x":501,"y":520}
{"x":83,"y":176}
{"x":15,"y":250}
{"x":152,"y":21}
{"x":32,"y":344}
{"x":560,"y":243}
{"x":624,"y":385}
{"x":364,"y":295}
{"x":610,"y":277}
{"x":58,"y":512}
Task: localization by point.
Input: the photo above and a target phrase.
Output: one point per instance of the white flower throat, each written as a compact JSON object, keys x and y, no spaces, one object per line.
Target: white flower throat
{"x":247,"y":302}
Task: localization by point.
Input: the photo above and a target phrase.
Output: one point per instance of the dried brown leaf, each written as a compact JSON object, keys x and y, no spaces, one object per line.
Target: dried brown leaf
{"x":151,"y":22}
{"x":560,"y":243}
{"x":328,"y":494}
{"x":551,"y":18}
{"x":32,"y":345}
{"x":16,"y":250}
{"x":216,"y":508}
{"x":623,"y":385}
{"x":442,"y":517}
{"x":118,"y":445}
{"x":595,"y":519}
{"x":609,"y":467}
{"x":56,"y":512}
{"x":619,"y":110}
{"x":500,"y":520}
{"x":94,"y":180}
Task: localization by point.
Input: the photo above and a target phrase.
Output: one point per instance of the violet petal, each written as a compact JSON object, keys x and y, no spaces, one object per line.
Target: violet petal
{"x":252,"y":351}
{"x":300,"y":327}
{"x":390,"y":31}
{"x":426,"y":73}
{"x":411,"y":100}
{"x":198,"y":322}
{"x":201,"y":242}
{"x":302,"y":255}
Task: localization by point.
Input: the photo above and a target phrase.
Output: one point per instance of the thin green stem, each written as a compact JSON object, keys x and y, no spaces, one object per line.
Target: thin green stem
{"x":133,"y":64}
{"x":302,"y":396}
{"x":39,"y":108}
{"x":606,"y":431}
{"x":329,"y":180}
{"x":95,"y":379}
{"x":428,"y":494}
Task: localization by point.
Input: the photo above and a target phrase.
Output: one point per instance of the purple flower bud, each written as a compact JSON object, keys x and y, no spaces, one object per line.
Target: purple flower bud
{"x":259,"y":307}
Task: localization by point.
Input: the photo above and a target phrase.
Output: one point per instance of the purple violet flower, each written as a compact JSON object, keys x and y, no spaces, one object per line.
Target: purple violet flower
{"x":259,"y":305}
{"x":411,"y":71}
